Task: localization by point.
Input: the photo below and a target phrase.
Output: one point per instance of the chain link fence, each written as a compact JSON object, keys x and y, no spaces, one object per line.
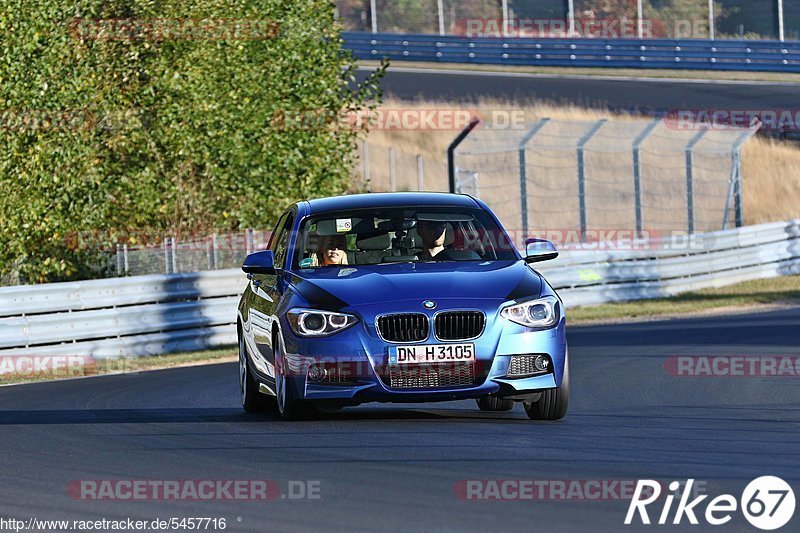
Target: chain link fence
{"x":174,"y":255}
{"x":606,"y":175}
{"x":383,"y":168}
{"x":699,"y":19}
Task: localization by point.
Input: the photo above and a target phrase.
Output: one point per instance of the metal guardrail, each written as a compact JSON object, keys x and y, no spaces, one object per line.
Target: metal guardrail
{"x":165,"y":313}
{"x":139,"y":315}
{"x":695,"y":54}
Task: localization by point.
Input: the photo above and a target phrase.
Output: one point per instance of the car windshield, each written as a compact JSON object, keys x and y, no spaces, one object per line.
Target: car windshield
{"x":400,"y":235}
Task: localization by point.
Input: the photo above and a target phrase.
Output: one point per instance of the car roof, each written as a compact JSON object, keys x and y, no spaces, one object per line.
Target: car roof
{"x":389,"y":199}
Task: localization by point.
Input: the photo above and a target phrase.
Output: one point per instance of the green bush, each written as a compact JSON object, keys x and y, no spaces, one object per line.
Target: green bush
{"x":159,"y":126}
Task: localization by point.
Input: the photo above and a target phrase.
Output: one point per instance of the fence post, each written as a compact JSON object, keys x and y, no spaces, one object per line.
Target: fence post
{"x":523,"y":172}
{"x":249,"y":241}
{"x":737,"y":195}
{"x":420,"y":173}
{"x":571,"y":17}
{"x":392,"y":176}
{"x":212,"y":252}
{"x":373,"y":9}
{"x":125,"y":258}
{"x":506,"y":20}
{"x":366,"y":166}
{"x":731,"y":188}
{"x":637,"y":173}
{"x":690,"y":178}
{"x":440,"y":10}
{"x":119,"y":259}
{"x":582,"y":173}
{"x":639,"y":20}
{"x":168,"y":256}
{"x":712,"y":30}
{"x":738,"y":205}
{"x":781,"y":22}
{"x":174,"y":255}
{"x":451,"y":152}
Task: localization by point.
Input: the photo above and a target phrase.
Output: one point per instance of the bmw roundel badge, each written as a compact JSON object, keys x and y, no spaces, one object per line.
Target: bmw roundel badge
{"x":429,"y":304}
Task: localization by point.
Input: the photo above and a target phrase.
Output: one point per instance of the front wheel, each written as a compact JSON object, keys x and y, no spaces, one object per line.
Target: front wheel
{"x":553,"y":403}
{"x":252,"y":400}
{"x":290,"y":407}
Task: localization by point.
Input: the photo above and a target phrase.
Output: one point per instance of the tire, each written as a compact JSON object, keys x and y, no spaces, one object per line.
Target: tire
{"x":252,"y":399}
{"x":553,"y":403}
{"x":493,"y":403}
{"x":288,"y":405}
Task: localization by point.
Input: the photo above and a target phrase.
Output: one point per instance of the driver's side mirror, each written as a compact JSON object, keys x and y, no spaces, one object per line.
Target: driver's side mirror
{"x":262,"y":262}
{"x":537,"y":250}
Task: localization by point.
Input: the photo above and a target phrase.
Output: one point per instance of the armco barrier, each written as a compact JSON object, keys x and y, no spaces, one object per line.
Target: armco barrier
{"x":694,"y":54}
{"x":140,"y":315}
{"x":159,"y":314}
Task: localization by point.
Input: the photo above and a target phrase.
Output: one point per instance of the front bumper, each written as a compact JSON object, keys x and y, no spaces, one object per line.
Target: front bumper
{"x":360,"y":348}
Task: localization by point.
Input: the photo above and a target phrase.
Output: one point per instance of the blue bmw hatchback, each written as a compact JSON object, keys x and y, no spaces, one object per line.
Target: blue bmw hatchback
{"x":399,"y":297}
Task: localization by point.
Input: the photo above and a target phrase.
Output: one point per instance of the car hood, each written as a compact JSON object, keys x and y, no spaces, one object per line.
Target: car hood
{"x":335,"y":288}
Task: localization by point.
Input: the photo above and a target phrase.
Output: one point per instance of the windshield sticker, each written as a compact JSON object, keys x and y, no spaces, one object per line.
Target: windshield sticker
{"x":343,"y":225}
{"x":307,"y":262}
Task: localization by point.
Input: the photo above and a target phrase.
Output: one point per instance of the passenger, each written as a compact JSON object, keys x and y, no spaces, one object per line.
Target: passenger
{"x":432,"y":233}
{"x":332,"y":250}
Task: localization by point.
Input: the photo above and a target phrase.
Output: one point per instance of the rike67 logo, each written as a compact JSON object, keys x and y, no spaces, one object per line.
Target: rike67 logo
{"x":767,"y":503}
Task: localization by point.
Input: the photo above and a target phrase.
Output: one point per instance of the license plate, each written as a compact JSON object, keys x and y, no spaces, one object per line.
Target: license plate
{"x":431,"y":353}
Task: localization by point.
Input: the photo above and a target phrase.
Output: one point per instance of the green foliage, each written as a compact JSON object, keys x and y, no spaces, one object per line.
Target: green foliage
{"x":161,"y":132}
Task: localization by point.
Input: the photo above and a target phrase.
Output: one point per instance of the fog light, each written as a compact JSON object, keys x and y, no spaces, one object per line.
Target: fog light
{"x":523,"y":366}
{"x":316,"y":373}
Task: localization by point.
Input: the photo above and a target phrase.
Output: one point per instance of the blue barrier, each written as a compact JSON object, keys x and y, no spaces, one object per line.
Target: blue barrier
{"x":694,"y":54}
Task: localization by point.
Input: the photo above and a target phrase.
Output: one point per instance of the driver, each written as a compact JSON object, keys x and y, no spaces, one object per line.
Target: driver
{"x":432,"y":233}
{"x":332,"y":251}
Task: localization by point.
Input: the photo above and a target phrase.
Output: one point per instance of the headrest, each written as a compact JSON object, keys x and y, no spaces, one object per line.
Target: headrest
{"x":448,"y":236}
{"x":373,"y":243}
{"x":413,"y":234}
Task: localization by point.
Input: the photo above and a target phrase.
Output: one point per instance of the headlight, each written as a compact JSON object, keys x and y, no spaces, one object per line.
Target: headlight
{"x":541,"y":313}
{"x":313,"y":323}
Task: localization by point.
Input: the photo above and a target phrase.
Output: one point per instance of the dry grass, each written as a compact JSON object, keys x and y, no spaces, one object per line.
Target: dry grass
{"x":130,"y":364}
{"x":771,"y":181}
{"x":701,"y":75}
{"x":750,"y":296}
{"x":771,"y":168}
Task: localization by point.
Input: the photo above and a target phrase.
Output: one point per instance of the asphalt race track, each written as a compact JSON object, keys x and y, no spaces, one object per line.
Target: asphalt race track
{"x":394,"y":467}
{"x":637,"y":94}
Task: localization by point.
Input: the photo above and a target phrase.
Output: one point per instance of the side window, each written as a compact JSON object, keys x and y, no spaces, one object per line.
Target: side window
{"x":282,"y":242}
{"x":273,"y":239}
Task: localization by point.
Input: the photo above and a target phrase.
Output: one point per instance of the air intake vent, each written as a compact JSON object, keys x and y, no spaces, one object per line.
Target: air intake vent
{"x":406,"y":327}
{"x":459,"y":325}
{"x":432,"y":376}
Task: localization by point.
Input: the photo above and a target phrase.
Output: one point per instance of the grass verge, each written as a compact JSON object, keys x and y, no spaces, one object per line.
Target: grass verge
{"x":762,"y":294}
{"x":94,"y":367}
{"x":700,"y":75}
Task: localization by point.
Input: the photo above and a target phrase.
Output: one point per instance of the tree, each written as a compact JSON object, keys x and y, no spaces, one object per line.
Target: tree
{"x":155,"y":120}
